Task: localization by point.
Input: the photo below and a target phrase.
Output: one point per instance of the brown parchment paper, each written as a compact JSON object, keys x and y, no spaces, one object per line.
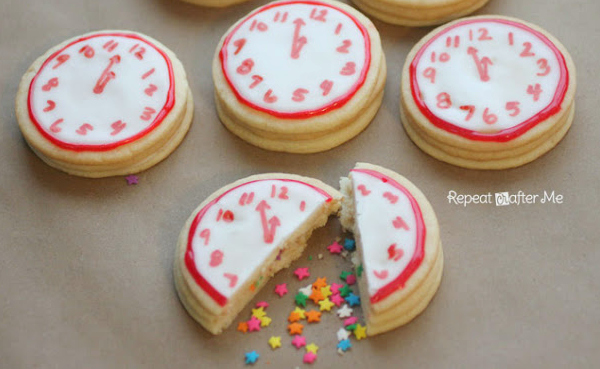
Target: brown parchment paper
{"x":85,"y":265}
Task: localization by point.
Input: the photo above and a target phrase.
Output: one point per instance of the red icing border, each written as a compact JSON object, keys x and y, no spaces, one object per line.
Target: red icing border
{"x":509,"y":133}
{"x":105,"y":147}
{"x":189,"y":254}
{"x":419,"y":254}
{"x":341,"y":101}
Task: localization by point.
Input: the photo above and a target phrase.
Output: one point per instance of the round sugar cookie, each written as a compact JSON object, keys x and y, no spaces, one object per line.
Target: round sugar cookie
{"x":416,"y":13}
{"x":299,"y":76}
{"x":105,"y":103}
{"x":488,"y":92}
{"x":398,"y":244}
{"x":240,"y":236}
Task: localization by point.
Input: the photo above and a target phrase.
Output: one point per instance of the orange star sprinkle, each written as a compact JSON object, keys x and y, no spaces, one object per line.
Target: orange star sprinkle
{"x":295,"y":328}
{"x":294,"y":317}
{"x":242,"y":327}
{"x":316,"y":296}
{"x":313,"y":316}
{"x":320,"y":283}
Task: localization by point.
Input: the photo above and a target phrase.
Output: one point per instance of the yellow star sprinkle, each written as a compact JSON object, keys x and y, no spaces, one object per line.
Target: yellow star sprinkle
{"x":360,"y":332}
{"x":312,"y":348}
{"x":265,"y":321}
{"x":259,"y":313}
{"x":326,"y":291}
{"x":275,"y":342}
{"x":326,"y":305}
{"x":300,"y":312}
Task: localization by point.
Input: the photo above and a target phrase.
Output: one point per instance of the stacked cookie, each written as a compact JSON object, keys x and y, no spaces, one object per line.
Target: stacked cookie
{"x":398,"y":244}
{"x":418,"y":12}
{"x":299,"y":76}
{"x":488,"y":93}
{"x":104,"y":104}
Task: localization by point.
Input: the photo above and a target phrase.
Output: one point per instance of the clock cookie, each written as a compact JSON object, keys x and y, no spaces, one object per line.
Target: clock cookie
{"x":418,"y":12}
{"x":104,"y":104}
{"x":241,"y":236}
{"x":488,"y":93}
{"x":398,"y":244}
{"x":299,"y":76}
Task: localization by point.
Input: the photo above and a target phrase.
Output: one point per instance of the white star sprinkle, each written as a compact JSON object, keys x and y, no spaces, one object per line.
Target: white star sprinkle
{"x":344,"y":311}
{"x":343,"y":334}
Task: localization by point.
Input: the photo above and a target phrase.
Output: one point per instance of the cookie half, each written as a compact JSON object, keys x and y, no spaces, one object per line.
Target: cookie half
{"x":398,"y":244}
{"x":241,"y":236}
{"x":299,"y":76}
{"x":488,"y":93}
{"x":105,"y":103}
{"x":418,"y":12}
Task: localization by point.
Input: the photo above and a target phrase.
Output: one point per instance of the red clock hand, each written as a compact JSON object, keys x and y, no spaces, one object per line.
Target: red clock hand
{"x":269,"y":225}
{"x":107,"y":75}
{"x":298,"y":42}
{"x":482,"y":65}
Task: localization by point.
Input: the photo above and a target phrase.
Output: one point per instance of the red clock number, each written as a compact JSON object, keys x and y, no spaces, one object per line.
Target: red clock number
{"x":51,"y":105}
{"x":348,"y":69}
{"x":443,"y":100}
{"x":245,"y":67}
{"x":282,"y":19}
{"x":430,"y":74}
{"x":283,"y":192}
{"x":326,"y":86}
{"x":345,"y":46}
{"x":299,"y":94}
{"x":87,"y":51}
{"x":117,"y":127}
{"x":84,"y":128}
{"x":527,"y":51}
{"x":261,"y":26}
{"x":488,"y":117}
{"x":205,"y":234}
{"x":536,"y":91}
{"x":543,"y":64}
{"x":60,"y":60}
{"x":110,"y":45}
{"x":484,"y":34}
{"x":150,"y":90}
{"x":257,"y":80}
{"x":216,"y":258}
{"x":318,"y":15}
{"x":269,"y":97}
{"x":239,"y":44}
{"x":514,"y":107}
{"x":138,"y":51}
{"x":54,"y":127}
{"x":470,"y":109}
{"x":53,"y":82}
{"x":147,"y":114}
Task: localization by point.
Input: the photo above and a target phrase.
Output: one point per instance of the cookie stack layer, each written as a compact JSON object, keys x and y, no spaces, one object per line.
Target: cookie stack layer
{"x":488,"y":93}
{"x":398,"y":244}
{"x":240,"y":236}
{"x":104,"y":104}
{"x":299,"y":76}
{"x":418,"y":12}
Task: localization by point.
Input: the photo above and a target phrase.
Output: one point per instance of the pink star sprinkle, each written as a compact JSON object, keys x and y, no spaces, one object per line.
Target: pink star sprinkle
{"x":254,"y":324}
{"x":262,"y":304}
{"x":335,"y":248}
{"x":350,"y":321}
{"x":302,"y":273}
{"x":337,"y":299}
{"x":281,"y":289}
{"x":351,"y":279}
{"x":335,"y":288}
{"x":309,"y":358}
{"x":131,"y":180}
{"x":299,"y":341}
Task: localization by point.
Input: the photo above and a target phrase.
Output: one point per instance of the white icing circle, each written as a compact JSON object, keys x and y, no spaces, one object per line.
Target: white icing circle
{"x":496,"y":75}
{"x":101,"y":90}
{"x":262,"y":214}
{"x":296,"y":58}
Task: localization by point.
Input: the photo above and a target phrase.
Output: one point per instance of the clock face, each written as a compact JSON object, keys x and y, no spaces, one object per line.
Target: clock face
{"x":488,"y":79}
{"x":296,"y":59}
{"x":102,"y":91}
{"x":392,"y":230}
{"x":233,"y":235}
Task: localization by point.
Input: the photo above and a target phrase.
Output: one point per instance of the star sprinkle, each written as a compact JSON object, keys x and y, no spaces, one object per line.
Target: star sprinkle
{"x":313,"y":316}
{"x":281,"y":289}
{"x":349,"y":244}
{"x":302,"y":273}
{"x":301,"y":299}
{"x":344,"y":345}
{"x":265,"y":321}
{"x":320,"y":283}
{"x":350,"y":321}
{"x":337,"y":299}
{"x":294,"y":317}
{"x":275,"y":342}
{"x":251,"y":357}
{"x":359,"y":270}
{"x":351,"y":327}
{"x":242,"y":327}
{"x":344,"y":275}
{"x":306,"y":290}
{"x":316,"y":296}
{"x":301,"y":312}
{"x":351,"y":279}
{"x":352,"y":299}
{"x":342,"y":334}
{"x":295,"y":328}
{"x":360,"y":332}
{"x":262,"y":304}
{"x":326,"y":305}
{"x":312,"y":348}
{"x":299,"y":341}
{"x":345,"y":291}
{"x":309,"y":358}
{"x":132,"y":180}
{"x":259,"y":313}
{"x":344,"y":311}
{"x":335,"y":248}
{"x":335,"y":287}
{"x":326,"y":291}
{"x":254,"y":324}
